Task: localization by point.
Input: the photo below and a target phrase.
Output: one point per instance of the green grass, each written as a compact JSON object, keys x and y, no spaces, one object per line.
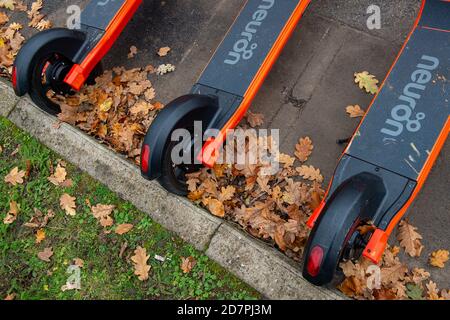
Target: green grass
{"x":105,"y":275}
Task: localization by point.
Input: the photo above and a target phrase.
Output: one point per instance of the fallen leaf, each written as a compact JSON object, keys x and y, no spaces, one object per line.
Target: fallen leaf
{"x":43,"y":25}
{"x":384,"y":294}
{"x":123,"y":228}
{"x":10,"y":297}
{"x":286,"y":160}
{"x":310,"y":173}
{"x":419,"y":275}
{"x":15,"y":177}
{"x":227,"y":193}
{"x":16,"y":151}
{"x":69,"y":114}
{"x":445,"y":294}
{"x":355,"y":111}
{"x":315,"y":201}
{"x":255,"y":119}
{"x":141,"y":268}
{"x":351,"y":287}
{"x":432,"y":291}
{"x":39,"y":221}
{"x":141,"y":107}
{"x":216,"y":207}
{"x":414,"y":291}
{"x":399,"y":288}
{"x":78,"y":262}
{"x":40,"y":235}
{"x":103,"y":214}
{"x":409,"y":239}
{"x":8,"y":4}
{"x":164,"y":69}
{"x":393,"y":274}
{"x":11,"y":216}
{"x":187,"y":264}
{"x":46,"y":254}
{"x":67,"y":203}
{"x":133,"y":52}
{"x":367,"y":81}
{"x":106,"y":105}
{"x":304,"y":149}
{"x":162,"y":52}
{"x":59,"y":176}
{"x":3,"y":18}
{"x":439,"y":258}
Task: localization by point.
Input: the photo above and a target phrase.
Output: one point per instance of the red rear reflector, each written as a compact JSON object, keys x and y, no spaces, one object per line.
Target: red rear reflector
{"x":145,"y":157}
{"x":14,"y":77}
{"x":315,"y":261}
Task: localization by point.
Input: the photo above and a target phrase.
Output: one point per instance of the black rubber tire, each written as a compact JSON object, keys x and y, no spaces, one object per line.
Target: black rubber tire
{"x":169,"y":179}
{"x":37,"y":92}
{"x":334,"y":257}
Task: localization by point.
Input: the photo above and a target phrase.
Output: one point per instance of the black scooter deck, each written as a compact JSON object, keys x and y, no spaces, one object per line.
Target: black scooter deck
{"x":99,"y":13}
{"x":247,"y":44}
{"x":241,"y":55}
{"x":95,"y":19}
{"x":413,"y":106}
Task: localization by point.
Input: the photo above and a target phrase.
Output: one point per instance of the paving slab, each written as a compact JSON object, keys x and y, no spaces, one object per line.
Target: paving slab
{"x":264,"y":268}
{"x":397,"y":16}
{"x":179,"y":215}
{"x":344,"y":51}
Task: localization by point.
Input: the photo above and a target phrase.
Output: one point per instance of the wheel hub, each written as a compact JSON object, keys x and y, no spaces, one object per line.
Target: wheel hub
{"x":355,"y":246}
{"x":55,"y":74}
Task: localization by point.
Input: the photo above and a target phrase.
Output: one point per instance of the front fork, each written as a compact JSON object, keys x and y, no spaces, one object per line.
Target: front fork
{"x":103,"y":21}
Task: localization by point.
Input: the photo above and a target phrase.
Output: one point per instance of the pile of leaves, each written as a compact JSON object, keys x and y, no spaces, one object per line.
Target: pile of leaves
{"x":273,"y":207}
{"x":117,"y":110}
{"x":397,"y":281}
{"x":11,"y":39}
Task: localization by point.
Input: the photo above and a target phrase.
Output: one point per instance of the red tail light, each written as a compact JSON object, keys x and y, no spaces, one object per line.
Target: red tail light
{"x":145,"y":157}
{"x":315,"y":261}
{"x":14,"y":77}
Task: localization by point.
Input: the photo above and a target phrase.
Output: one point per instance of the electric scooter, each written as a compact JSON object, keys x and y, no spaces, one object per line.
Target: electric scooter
{"x":222,"y":95}
{"x":62,"y":60}
{"x":391,"y":153}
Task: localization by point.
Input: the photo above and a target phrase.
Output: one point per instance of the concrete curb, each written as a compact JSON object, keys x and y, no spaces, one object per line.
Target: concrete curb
{"x":263,"y":268}
{"x":8,"y":99}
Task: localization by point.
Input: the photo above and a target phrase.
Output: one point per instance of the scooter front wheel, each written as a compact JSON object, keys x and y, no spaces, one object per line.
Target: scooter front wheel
{"x":335,"y":235}
{"x":47,"y":79}
{"x":173,"y":175}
